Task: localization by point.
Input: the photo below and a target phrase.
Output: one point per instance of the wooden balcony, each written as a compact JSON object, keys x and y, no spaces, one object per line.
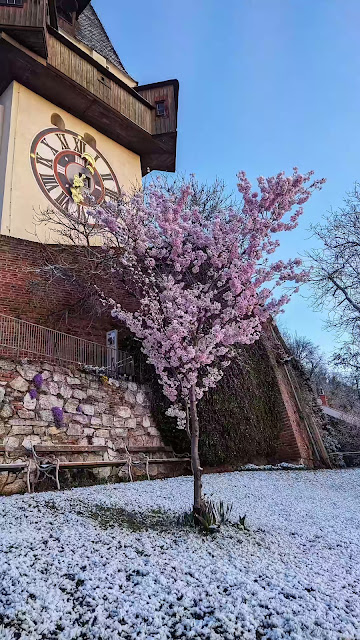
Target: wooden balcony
{"x":74,"y":63}
{"x":34,"y":52}
{"x":75,"y":82}
{"x":26,"y":23}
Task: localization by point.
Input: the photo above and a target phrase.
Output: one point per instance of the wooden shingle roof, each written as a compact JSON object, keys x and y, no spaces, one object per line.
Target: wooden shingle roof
{"x":90,"y":31}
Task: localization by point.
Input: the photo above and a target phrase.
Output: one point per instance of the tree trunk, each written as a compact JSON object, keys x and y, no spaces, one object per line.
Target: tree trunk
{"x":195,"y":460}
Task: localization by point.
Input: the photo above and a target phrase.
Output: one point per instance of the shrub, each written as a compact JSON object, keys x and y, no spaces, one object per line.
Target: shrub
{"x":58,"y":416}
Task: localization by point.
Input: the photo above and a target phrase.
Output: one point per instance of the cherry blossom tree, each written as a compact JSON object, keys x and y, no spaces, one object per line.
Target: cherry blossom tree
{"x":203,"y":283}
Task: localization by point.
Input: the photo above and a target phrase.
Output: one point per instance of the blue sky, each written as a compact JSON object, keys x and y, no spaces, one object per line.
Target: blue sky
{"x":264,"y":85}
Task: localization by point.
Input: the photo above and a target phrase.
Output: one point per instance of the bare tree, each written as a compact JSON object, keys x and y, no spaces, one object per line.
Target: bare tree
{"x":336,"y":265}
{"x":341,"y":385}
{"x":307,"y":353}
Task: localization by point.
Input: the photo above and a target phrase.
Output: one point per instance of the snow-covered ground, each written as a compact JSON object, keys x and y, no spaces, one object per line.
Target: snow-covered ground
{"x":64,"y":573}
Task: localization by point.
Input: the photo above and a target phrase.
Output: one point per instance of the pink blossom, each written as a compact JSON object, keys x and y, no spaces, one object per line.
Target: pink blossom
{"x":203,"y":284}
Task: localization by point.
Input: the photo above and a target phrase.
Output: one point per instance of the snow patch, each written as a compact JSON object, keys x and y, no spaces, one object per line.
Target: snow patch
{"x":66,"y":575}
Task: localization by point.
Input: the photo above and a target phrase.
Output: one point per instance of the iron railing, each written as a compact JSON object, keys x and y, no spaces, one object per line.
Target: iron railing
{"x":24,"y":339}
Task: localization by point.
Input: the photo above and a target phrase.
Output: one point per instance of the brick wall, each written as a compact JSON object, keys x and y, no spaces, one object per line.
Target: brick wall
{"x":26,"y":293}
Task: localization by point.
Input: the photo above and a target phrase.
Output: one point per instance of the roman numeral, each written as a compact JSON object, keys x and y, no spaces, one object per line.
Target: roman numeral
{"x":49,"y":182}
{"x":106,"y":176}
{"x":48,"y":145}
{"x":113,"y":195}
{"x":63,"y":141}
{"x":96,"y":158}
{"x":62,"y":199}
{"x":80,"y":145}
{"x":47,"y":163}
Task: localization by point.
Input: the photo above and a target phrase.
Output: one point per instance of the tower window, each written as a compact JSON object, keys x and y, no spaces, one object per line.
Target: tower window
{"x":90,"y":140}
{"x":67,"y":9}
{"x":57,"y":121}
{"x":13,"y":3}
{"x":161,"y":108}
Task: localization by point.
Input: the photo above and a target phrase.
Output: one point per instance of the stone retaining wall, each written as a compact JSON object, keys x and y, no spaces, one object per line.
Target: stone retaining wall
{"x":93,"y":412}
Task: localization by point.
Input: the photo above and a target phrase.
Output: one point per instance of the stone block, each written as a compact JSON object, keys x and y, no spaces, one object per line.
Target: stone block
{"x":19,"y":384}
{"x":27,"y":442}
{"x":46,"y":375}
{"x":119,"y":423}
{"x":107,"y":420}
{"x":74,"y":429}
{"x":40,"y":431}
{"x":8,"y":365}
{"x":17,"y":422}
{"x":148,"y":441}
{"x":140,"y":397}
{"x":88,"y":431}
{"x":77,"y":393}
{"x":2,"y":394}
{"x":146,"y":422}
{"x":139,"y":410}
{"x":79,"y":417}
{"x":27,"y":371}
{"x":123,"y":412}
{"x":97,"y":422}
{"x":66,"y":391}
{"x":130,"y":423}
{"x":99,"y":441}
{"x":51,"y":387}
{"x":3,"y":428}
{"x":157,"y":441}
{"x":88,"y":409}
{"x":130,"y":397}
{"x":132,"y":386}
{"x":46,"y":415}
{"x":37,"y":423}
{"x":47,"y":366}
{"x":6,"y":411}
{"x":95,"y":393}
{"x":49,"y":401}
{"x":18,"y":486}
{"x":58,"y":377}
{"x":102,"y":433}
{"x":25,"y":414}
{"x":71,"y":406}
{"x":153,"y":431}
{"x":103,"y":473}
{"x":4,"y":478}
{"x":54,"y":431}
{"x":29,"y":403}
{"x":11,"y":443}
{"x":100,"y":407}
{"x":71,"y":380}
{"x":118,"y":433}
{"x":139,"y":431}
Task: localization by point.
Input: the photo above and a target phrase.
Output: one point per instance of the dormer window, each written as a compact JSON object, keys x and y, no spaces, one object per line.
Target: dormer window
{"x":67,"y":9}
{"x":161,"y":108}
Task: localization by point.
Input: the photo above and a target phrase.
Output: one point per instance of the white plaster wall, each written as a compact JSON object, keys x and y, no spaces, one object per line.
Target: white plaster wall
{"x":22,"y":197}
{"x":6,"y":150}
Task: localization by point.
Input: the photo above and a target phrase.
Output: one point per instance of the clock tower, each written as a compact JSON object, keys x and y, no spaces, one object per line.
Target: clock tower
{"x":75,"y":127}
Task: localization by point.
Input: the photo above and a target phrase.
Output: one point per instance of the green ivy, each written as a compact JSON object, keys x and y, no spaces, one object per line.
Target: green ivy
{"x":239,"y":419}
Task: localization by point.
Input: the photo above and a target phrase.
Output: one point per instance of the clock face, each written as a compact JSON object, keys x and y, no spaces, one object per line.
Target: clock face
{"x":57,"y":157}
